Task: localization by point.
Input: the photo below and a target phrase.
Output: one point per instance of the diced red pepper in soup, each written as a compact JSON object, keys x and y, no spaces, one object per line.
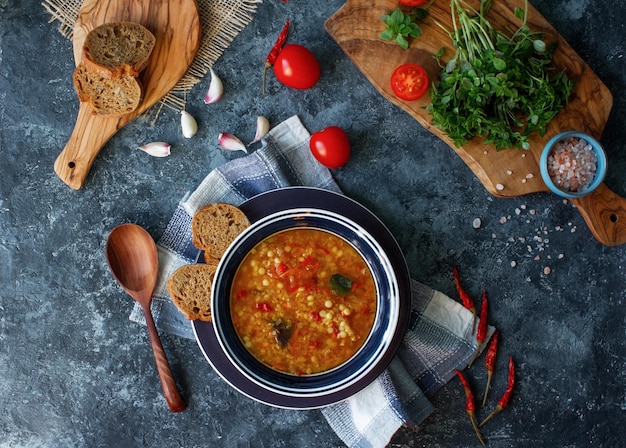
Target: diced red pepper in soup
{"x":287,"y":311}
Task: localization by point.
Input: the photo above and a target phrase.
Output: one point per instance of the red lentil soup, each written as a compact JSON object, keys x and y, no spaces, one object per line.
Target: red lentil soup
{"x":303,"y":301}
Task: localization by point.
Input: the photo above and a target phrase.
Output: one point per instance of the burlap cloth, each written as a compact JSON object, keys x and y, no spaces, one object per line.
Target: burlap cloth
{"x":221,"y":20}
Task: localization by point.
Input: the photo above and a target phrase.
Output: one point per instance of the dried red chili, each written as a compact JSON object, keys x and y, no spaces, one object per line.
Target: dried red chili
{"x":273,"y":54}
{"x":506,"y":396}
{"x":465,"y":297}
{"x":490,"y":362}
{"x":481,"y":333}
{"x":470,"y":406}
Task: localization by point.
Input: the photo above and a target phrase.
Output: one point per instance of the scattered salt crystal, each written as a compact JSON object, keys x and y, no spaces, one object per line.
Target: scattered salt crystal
{"x":523,"y":181}
{"x":523,"y":206}
{"x":513,"y":264}
{"x":509,"y":172}
{"x":493,"y":235}
{"x":476,"y":223}
{"x":573,"y":229}
{"x":503,"y":220}
{"x":561,"y":256}
{"x":529,"y":176}
{"x":547,"y":270}
{"x":532,"y":212}
{"x":528,"y":279}
{"x":499,"y":187}
{"x":517,"y":211}
{"x":523,"y":155}
{"x":537,"y":258}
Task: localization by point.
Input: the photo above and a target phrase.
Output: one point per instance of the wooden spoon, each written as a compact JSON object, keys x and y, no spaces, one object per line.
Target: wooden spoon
{"x":133,"y":260}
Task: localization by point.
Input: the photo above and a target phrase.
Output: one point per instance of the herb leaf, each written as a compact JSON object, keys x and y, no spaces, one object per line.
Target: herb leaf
{"x":340,"y":284}
{"x":401,"y":26}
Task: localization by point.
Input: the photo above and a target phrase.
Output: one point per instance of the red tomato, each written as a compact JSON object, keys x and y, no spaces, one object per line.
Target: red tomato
{"x":412,"y":2}
{"x":297,"y":67}
{"x":330,"y":147}
{"x":409,"y":82}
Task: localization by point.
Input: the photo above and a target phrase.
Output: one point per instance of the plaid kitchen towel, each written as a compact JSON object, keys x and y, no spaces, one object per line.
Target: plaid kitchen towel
{"x":439,"y":338}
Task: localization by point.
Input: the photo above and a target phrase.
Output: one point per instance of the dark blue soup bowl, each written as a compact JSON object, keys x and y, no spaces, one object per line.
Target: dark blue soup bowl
{"x":370,"y":359}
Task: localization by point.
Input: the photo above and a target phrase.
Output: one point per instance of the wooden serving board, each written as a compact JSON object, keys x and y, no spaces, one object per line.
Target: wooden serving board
{"x":176,"y":26}
{"x":356,"y":28}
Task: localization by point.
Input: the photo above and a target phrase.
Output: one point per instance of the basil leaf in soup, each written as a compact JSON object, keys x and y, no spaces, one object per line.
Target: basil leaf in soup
{"x":340,"y":284}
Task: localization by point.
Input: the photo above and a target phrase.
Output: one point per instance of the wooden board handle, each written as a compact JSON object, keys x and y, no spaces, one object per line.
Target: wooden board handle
{"x":605,"y":214}
{"x":90,"y":134}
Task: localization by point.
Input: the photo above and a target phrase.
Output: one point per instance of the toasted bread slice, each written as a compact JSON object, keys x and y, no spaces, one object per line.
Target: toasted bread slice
{"x":113,"y":50}
{"x":190,"y":290}
{"x":214,"y":227}
{"x":112,"y":97}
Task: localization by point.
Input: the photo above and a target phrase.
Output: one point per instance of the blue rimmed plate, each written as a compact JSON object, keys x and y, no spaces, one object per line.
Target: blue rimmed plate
{"x":286,"y":208}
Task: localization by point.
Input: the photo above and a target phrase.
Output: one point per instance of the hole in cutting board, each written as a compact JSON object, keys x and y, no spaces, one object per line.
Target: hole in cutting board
{"x":614,"y":217}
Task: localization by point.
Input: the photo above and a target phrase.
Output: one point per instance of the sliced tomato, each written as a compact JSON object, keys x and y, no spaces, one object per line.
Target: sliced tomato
{"x":412,"y":2}
{"x":409,"y":82}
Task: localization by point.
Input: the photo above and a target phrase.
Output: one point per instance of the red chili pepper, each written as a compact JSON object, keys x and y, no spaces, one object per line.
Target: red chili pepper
{"x":465,"y":298}
{"x":506,"y":396}
{"x":470,"y":406}
{"x":490,"y":362}
{"x":263,"y":306}
{"x":481,"y":333}
{"x":273,"y":54}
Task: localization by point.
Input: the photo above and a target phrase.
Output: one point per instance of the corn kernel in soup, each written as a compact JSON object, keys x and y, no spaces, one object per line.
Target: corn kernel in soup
{"x":303,"y":301}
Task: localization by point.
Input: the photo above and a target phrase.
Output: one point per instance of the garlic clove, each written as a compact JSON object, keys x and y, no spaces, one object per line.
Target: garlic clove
{"x":188,"y":124}
{"x":230,"y":142}
{"x":262,"y":128}
{"x":157,"y":149}
{"x":216,"y":89}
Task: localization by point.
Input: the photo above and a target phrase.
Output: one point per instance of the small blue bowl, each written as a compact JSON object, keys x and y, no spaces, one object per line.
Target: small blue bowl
{"x":601,"y":165}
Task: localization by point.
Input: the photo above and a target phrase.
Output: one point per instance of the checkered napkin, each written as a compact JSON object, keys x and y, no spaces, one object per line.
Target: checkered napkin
{"x":439,"y":338}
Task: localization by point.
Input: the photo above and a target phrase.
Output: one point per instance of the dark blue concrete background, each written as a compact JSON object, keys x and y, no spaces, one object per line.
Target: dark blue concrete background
{"x":74,"y":371}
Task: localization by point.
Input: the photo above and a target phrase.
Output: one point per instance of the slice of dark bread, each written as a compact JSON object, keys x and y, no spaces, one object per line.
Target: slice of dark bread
{"x":113,"y":50}
{"x":214,"y":227}
{"x":106,"y":96}
{"x":190,"y":290}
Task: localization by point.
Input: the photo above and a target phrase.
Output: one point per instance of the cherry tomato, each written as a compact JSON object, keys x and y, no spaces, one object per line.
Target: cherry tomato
{"x":412,"y":2}
{"x":409,"y":82}
{"x":330,"y":147}
{"x":297,"y":67}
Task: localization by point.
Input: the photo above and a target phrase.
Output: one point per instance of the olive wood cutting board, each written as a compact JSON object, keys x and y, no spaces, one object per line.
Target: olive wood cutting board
{"x":176,"y":27}
{"x":356,"y":28}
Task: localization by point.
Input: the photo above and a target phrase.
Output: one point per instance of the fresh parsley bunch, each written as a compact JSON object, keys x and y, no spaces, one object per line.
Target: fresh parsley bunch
{"x":496,"y":86}
{"x":401,"y":26}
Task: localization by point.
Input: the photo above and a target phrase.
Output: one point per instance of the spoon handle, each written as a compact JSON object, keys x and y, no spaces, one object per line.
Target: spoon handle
{"x":174,"y":400}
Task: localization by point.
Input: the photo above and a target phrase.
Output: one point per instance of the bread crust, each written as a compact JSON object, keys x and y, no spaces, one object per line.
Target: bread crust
{"x":113,"y":50}
{"x":190,"y":289}
{"x":112,"y":97}
{"x":214,"y":227}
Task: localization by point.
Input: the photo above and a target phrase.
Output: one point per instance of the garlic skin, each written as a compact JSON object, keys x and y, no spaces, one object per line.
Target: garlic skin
{"x":262,"y":128}
{"x":216,"y":89}
{"x":156,"y":149}
{"x":188,"y":124}
{"x":230,"y":142}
